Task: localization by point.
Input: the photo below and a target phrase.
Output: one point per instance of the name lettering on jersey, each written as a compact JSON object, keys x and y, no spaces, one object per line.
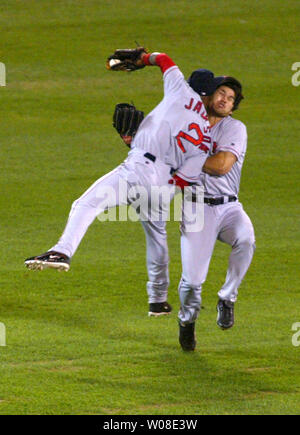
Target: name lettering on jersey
{"x":197,"y":107}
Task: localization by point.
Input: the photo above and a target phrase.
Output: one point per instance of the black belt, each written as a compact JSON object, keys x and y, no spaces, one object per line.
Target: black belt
{"x":219,"y":201}
{"x":150,"y":157}
{"x":210,"y":201}
{"x":153,"y":158}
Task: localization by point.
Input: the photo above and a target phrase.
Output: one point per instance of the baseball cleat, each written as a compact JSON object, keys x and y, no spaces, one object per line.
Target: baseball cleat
{"x":187,"y":337}
{"x":225,"y":318}
{"x":49,"y":260}
{"x":159,"y":309}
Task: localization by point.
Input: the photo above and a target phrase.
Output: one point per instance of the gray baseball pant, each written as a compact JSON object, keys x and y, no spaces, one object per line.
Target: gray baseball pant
{"x":230,"y":224}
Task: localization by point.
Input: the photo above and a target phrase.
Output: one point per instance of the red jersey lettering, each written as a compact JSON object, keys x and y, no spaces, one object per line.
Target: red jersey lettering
{"x":190,"y":105}
{"x":198,"y":107}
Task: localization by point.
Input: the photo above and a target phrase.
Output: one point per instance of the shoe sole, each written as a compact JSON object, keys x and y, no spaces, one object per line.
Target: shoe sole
{"x":188,"y":349}
{"x":224,"y":328}
{"x":152,"y":314}
{"x":42,"y":265}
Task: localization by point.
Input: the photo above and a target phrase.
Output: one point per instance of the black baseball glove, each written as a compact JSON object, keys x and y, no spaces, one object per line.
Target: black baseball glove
{"x":126,"y":119}
{"x":126,"y":59}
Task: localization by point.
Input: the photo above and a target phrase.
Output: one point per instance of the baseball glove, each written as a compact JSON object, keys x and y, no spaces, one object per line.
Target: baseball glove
{"x":126,"y":119}
{"x":126,"y":60}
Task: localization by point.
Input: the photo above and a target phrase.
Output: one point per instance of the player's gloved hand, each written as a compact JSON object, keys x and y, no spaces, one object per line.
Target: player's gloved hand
{"x":129,"y":59}
{"x":126,"y":120}
{"x":180,"y":182}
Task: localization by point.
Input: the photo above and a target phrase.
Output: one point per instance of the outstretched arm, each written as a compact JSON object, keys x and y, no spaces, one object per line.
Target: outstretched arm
{"x":137,"y":58}
{"x":159,"y":59}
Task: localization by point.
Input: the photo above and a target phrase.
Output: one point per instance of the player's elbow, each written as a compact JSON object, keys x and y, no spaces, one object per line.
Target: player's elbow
{"x":221,"y":163}
{"x":216,"y":170}
{"x":223,"y":170}
{"x":224,"y":166}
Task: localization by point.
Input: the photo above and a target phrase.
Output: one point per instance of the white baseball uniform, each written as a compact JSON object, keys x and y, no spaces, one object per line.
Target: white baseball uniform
{"x":175,"y":135}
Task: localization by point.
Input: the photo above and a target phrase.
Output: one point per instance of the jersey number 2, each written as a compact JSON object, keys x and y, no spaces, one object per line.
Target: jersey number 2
{"x":195,"y":141}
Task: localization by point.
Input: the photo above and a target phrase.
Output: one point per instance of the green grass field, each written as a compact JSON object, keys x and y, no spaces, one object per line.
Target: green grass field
{"x":81,"y":343}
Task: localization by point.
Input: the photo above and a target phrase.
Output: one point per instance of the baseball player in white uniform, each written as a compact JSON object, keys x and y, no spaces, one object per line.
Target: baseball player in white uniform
{"x":171,"y":138}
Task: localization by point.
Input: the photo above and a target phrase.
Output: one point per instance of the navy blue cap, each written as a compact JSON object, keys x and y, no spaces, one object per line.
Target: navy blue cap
{"x":204,"y":82}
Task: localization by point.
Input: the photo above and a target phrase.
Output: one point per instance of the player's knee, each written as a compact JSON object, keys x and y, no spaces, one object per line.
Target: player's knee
{"x":195,"y":285}
{"x":163,"y":258}
{"x":192,"y":283}
{"x":74,"y":205}
{"x":158,"y":273}
{"x":81,"y":202}
{"x":245,"y":238}
{"x":246,"y":243}
{"x":158,"y":257}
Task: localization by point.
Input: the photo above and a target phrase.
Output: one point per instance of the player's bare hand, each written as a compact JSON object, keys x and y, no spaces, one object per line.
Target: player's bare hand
{"x":127,"y":140}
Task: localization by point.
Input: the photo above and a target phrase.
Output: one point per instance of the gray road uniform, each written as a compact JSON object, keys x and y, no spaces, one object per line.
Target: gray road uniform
{"x":226,"y":222}
{"x":170,"y":137}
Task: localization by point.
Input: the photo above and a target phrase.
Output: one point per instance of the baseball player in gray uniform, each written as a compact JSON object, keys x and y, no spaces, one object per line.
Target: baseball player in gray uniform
{"x":158,"y":149}
{"x":224,"y":217}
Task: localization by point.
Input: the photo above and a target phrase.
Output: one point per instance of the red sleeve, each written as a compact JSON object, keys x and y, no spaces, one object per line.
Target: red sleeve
{"x":162,"y":60}
{"x":146,"y":59}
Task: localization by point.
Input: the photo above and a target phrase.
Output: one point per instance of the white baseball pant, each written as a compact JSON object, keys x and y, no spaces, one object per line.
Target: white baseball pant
{"x":137,"y":170}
